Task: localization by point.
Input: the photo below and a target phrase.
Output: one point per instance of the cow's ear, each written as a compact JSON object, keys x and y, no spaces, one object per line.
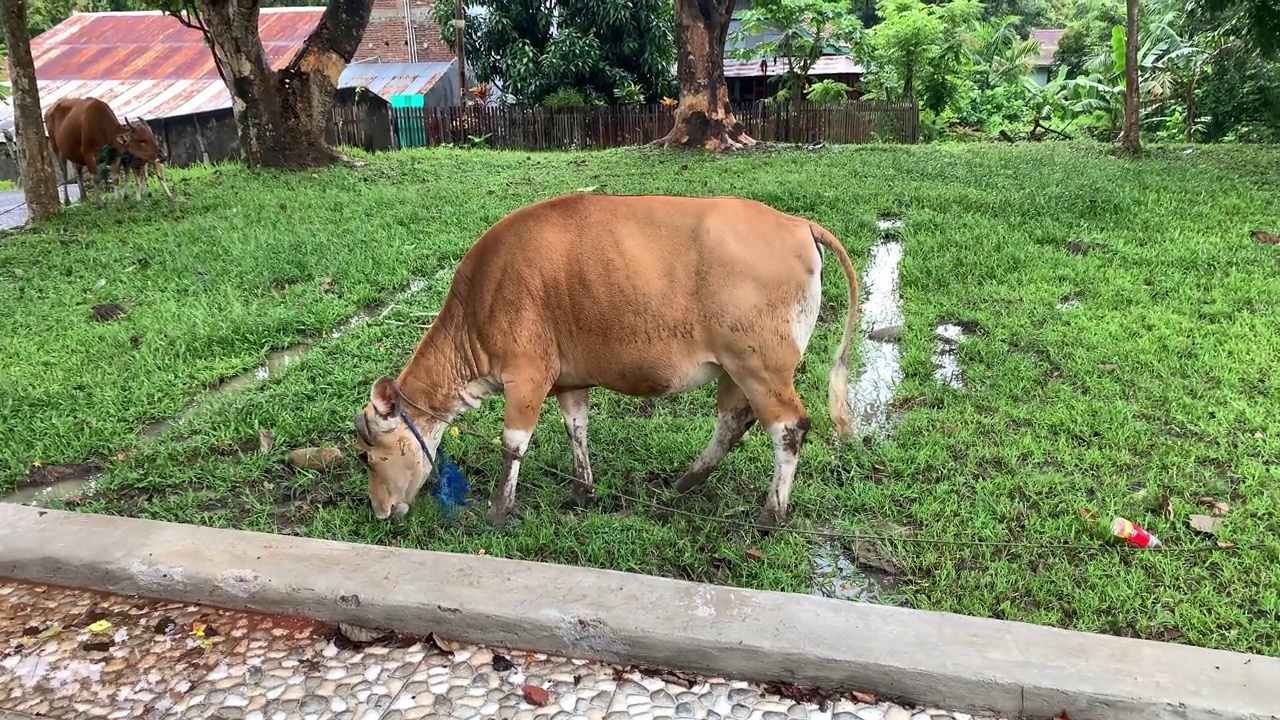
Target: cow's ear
{"x":385,"y":399}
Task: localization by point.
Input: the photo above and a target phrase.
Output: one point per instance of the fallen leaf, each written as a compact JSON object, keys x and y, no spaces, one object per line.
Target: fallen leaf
{"x":1108,"y":367}
{"x":864,"y":698}
{"x":1088,"y":515}
{"x":51,"y":631}
{"x":482,"y":551}
{"x":361,"y":635}
{"x":675,"y":677}
{"x":100,"y":626}
{"x":198,"y":629}
{"x":165,"y":625}
{"x":753,"y":554}
{"x":1258,"y":435}
{"x":1205,"y":524}
{"x":1264,"y":237}
{"x":326,"y":284}
{"x":535,"y":696}
{"x":502,"y":663}
{"x":265,"y":440}
{"x":1166,"y":505}
{"x":454,"y":432}
{"x":1224,"y":545}
{"x":449,"y":646}
{"x":122,"y":456}
{"x":96,"y":646}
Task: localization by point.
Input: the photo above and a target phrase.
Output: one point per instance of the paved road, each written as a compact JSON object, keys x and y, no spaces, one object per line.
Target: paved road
{"x":13,"y":207}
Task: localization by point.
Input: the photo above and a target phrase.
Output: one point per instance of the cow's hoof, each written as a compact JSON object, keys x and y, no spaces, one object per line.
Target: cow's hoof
{"x":768,"y":520}
{"x":574,"y":502}
{"x":498,"y":517}
{"x":690,"y":481}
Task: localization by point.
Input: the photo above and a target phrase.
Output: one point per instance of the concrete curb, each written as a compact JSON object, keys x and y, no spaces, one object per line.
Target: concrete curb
{"x":931,"y":658}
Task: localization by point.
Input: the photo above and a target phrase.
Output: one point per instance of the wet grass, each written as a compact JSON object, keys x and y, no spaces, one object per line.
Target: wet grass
{"x":1157,"y":389}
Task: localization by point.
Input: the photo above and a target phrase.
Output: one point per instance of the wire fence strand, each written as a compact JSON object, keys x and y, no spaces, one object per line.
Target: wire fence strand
{"x":848,"y":537}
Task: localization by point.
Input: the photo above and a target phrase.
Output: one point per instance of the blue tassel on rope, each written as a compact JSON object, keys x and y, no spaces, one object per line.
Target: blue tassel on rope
{"x":452,"y":489}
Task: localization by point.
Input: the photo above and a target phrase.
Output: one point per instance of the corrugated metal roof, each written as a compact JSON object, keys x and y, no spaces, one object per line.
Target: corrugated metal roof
{"x":147,"y":64}
{"x":825,"y":65}
{"x":1048,"y":40}
{"x":387,"y":79}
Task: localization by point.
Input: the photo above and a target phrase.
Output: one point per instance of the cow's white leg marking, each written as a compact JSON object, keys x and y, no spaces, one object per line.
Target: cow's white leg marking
{"x":574,"y":408}
{"x":787,"y":441}
{"x":515,"y":443}
{"x":734,"y":419}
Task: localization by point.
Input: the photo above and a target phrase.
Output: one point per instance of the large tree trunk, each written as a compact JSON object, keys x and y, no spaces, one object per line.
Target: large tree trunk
{"x":703,"y":118}
{"x":1130,"y":134}
{"x":34,"y":161}
{"x":281,"y":116}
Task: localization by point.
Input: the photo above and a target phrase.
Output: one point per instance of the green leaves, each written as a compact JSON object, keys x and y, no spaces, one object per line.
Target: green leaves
{"x":531,"y":51}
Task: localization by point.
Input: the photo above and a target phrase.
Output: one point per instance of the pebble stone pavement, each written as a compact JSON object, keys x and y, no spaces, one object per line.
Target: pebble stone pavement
{"x":72,"y":654}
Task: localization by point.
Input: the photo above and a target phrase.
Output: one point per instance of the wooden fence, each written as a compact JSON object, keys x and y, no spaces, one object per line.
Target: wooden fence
{"x":525,"y":128}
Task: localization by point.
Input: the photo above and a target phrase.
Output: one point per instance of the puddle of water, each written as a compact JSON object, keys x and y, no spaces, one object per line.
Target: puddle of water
{"x":279,"y":359}
{"x":882,"y":321}
{"x":836,"y":576}
{"x":54,"y":483}
{"x":42,"y":495}
{"x":946,"y":362}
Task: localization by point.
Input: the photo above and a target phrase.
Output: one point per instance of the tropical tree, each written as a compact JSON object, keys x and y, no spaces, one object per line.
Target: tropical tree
{"x":1131,"y":134}
{"x":280,"y":114}
{"x":921,"y":50}
{"x":599,"y":52}
{"x":799,"y":32}
{"x":35,"y":165}
{"x":703,"y":118}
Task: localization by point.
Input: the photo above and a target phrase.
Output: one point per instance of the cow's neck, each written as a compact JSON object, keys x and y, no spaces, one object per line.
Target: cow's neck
{"x":441,"y":376}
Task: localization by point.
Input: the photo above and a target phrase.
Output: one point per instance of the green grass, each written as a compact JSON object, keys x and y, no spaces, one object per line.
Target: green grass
{"x":1162,"y":382}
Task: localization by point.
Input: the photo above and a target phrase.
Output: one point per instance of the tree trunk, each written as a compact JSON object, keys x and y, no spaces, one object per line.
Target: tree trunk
{"x":281,"y":115}
{"x":1130,"y":135}
{"x":703,"y":118}
{"x":1188,"y":134}
{"x":34,"y":161}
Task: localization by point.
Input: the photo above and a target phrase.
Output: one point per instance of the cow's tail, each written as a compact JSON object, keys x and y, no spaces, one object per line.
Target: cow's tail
{"x":838,"y":381}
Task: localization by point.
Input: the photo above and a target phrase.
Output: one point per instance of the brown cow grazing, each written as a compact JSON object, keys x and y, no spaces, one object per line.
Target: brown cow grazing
{"x":87,"y":133}
{"x":646,"y":296}
{"x":123,"y":165}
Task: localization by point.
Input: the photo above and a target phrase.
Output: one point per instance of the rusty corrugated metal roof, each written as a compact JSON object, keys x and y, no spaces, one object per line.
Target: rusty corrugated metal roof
{"x":387,"y":79}
{"x":147,"y":64}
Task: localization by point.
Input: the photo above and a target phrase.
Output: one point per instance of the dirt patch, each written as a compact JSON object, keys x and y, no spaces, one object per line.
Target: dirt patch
{"x":106,"y":312}
{"x":55,"y":474}
{"x":1079,"y":248}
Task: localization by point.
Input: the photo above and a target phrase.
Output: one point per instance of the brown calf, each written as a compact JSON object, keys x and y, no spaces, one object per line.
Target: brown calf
{"x":124,"y":166}
{"x":646,"y":296}
{"x":82,"y":130}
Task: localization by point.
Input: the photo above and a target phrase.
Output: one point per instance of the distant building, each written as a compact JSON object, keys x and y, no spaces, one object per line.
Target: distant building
{"x":754,"y":80}
{"x":1042,"y":70}
{"x":147,"y":65}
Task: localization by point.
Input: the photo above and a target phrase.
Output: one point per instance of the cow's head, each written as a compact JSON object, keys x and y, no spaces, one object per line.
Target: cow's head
{"x":398,"y":464}
{"x":136,"y":138}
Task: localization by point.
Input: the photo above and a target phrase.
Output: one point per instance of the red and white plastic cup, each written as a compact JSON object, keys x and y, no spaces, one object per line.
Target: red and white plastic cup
{"x":1134,"y":534}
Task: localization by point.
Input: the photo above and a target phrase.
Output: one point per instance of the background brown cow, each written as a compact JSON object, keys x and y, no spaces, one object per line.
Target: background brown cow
{"x":87,"y":133}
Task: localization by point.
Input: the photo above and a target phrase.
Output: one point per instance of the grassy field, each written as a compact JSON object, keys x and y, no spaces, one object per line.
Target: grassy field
{"x":1156,"y":389}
